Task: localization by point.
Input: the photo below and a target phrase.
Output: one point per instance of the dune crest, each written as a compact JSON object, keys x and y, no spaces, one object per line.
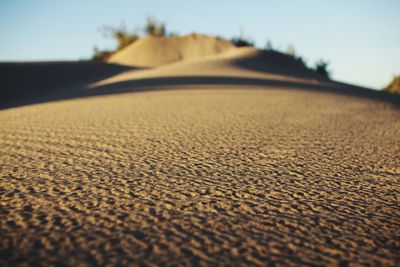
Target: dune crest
{"x":245,"y":62}
{"x":154,"y":51}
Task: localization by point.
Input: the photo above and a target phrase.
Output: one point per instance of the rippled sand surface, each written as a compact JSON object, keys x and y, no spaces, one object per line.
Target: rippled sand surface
{"x":228,"y":175}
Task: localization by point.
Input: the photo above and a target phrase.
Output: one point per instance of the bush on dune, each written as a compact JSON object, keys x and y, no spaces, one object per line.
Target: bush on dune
{"x":241,"y":41}
{"x":153,"y":27}
{"x":123,"y":37}
{"x":321,"y":67}
{"x":394,"y":86}
{"x":101,"y":55}
{"x":268,"y":46}
{"x":291,"y":52}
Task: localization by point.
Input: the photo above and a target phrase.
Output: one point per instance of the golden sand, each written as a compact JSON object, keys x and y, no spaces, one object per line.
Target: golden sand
{"x":201,"y":176}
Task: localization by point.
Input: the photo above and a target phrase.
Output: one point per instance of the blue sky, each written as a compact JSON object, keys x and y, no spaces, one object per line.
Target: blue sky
{"x":360,"y":38}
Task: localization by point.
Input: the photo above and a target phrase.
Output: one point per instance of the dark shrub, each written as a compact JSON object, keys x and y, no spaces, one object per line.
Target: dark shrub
{"x":394,"y":86}
{"x":240,"y":41}
{"x":321,"y":67}
{"x":101,"y":55}
{"x":153,"y":27}
{"x":121,"y":35}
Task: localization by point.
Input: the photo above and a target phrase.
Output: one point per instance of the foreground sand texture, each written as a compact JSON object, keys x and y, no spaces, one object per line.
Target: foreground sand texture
{"x":256,"y":176}
{"x":244,"y":158}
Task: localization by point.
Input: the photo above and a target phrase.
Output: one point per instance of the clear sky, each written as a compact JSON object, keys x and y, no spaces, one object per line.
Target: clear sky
{"x":360,"y":38}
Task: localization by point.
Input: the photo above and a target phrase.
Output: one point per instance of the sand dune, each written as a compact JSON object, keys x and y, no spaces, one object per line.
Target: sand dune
{"x":241,"y":158}
{"x":246,"y":62}
{"x":153,"y":51}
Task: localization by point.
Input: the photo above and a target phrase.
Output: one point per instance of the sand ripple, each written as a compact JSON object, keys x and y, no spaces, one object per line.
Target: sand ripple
{"x":227,"y":176}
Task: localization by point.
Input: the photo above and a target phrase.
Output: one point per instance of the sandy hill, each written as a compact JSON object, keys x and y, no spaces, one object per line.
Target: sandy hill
{"x":159,"y":62}
{"x":201,"y":56}
{"x":394,"y":86}
{"x":242,"y":62}
{"x":153,"y":51}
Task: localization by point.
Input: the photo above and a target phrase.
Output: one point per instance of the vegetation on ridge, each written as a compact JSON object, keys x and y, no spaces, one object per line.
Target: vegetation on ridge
{"x":124,"y":37}
{"x":321,"y":67}
{"x":393,"y":86}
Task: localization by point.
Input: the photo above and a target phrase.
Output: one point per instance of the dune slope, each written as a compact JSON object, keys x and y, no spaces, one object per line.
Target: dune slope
{"x":244,"y":62}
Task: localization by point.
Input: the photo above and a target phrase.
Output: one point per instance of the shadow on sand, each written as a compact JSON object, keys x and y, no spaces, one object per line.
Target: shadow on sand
{"x":28,"y":83}
{"x":273,"y":62}
{"x":37,"y":86}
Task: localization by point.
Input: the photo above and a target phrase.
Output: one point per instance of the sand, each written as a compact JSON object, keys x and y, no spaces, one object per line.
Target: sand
{"x":175,"y":166}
